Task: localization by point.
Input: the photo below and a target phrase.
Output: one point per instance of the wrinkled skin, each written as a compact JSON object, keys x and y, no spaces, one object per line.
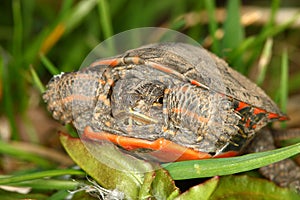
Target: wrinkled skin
{"x":285,"y":173}
{"x":174,"y":91}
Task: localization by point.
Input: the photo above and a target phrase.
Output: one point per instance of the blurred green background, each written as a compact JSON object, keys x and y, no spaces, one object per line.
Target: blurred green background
{"x":39,"y":38}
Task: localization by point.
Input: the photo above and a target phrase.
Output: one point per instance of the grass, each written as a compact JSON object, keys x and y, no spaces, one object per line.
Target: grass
{"x":42,"y":39}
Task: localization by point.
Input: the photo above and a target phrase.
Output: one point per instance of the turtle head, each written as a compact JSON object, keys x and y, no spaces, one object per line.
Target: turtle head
{"x":55,"y":97}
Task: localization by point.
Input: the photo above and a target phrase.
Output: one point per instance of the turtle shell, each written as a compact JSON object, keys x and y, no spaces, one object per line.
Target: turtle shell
{"x":172,"y":91}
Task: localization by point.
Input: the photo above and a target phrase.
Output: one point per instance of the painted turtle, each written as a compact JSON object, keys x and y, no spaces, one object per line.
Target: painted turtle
{"x":172,"y":97}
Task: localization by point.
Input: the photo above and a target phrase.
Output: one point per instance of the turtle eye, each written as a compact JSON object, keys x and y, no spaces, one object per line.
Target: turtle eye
{"x":159,"y":101}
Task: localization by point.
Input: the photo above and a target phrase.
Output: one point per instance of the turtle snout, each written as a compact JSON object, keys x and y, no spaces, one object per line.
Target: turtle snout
{"x":54,"y":97}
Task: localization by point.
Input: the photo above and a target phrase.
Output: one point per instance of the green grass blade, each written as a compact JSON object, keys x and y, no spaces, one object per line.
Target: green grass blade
{"x":66,"y":5}
{"x":78,"y":13}
{"x":9,"y":149}
{"x":106,"y":23}
{"x":233,"y":33}
{"x":213,"y":26}
{"x":36,"y":80}
{"x":283,"y":97}
{"x":264,"y":61}
{"x":47,"y":184}
{"x":233,"y":30}
{"x":226,"y":166}
{"x":274,"y":8}
{"x":50,"y":66}
{"x":294,"y":82}
{"x":7,"y":101}
{"x":284,"y":81}
{"x":18,"y":29}
{"x":61,"y":194}
{"x":39,"y":175}
{"x":105,"y":19}
{"x":258,"y":40}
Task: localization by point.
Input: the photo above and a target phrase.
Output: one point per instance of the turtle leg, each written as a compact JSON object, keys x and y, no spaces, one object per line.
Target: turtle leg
{"x":162,"y":149}
{"x":285,"y":173}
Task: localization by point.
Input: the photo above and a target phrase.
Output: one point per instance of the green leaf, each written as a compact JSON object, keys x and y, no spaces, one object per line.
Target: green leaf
{"x":62,"y":194}
{"x":48,"y":184}
{"x":226,"y":166}
{"x":78,"y":13}
{"x":213,"y":25}
{"x":36,"y":80}
{"x":105,"y":18}
{"x":11,"y":150}
{"x":233,"y":30}
{"x":128,"y":181}
{"x":47,"y":63}
{"x":146,"y":186}
{"x":202,"y":191}
{"x":264,"y":61}
{"x":163,"y":186}
{"x":38,"y":175}
{"x":284,"y":81}
{"x":5,"y":195}
{"x":259,"y":39}
{"x":245,"y":187}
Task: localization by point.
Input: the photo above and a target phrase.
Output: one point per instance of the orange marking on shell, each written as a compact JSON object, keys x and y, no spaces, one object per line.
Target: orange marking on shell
{"x":115,"y":62}
{"x":165,"y":150}
{"x":194,"y":82}
{"x":283,"y":118}
{"x":248,"y":123}
{"x":276,"y":116}
{"x":104,"y":99}
{"x":227,"y":154}
{"x":167,"y":91}
{"x":242,"y":105}
{"x":258,"y":110}
{"x":109,"y":62}
{"x":110,"y":81}
{"x":78,"y":97}
{"x":136,"y":60}
{"x":161,"y":68}
{"x":102,"y":82}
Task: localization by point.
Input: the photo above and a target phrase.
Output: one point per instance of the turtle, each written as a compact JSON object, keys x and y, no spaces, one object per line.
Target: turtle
{"x":175,"y":101}
{"x":170,"y":102}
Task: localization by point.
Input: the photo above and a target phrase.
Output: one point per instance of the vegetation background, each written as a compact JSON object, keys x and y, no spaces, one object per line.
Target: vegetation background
{"x":40,"y":38}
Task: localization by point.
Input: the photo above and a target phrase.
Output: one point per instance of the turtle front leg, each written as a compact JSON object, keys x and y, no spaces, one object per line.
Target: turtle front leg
{"x":285,"y":173}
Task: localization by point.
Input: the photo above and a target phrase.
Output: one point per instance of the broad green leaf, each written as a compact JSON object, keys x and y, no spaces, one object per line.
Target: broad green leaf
{"x":245,"y":187}
{"x":128,"y":181}
{"x":163,"y":185}
{"x":82,"y":196}
{"x":146,"y":186}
